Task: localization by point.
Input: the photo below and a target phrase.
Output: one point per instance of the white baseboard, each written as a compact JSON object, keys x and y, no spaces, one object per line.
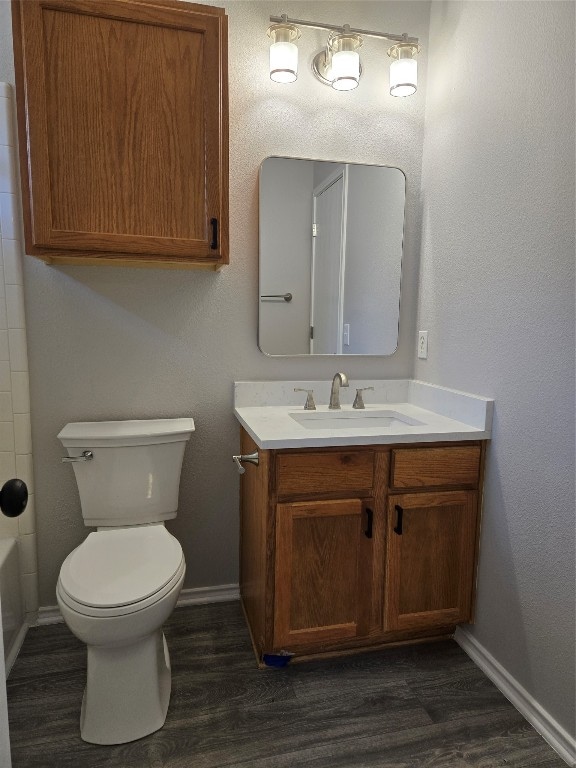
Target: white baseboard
{"x":198,"y":595}
{"x":50,"y":614}
{"x":15,"y":648}
{"x":558,"y":738}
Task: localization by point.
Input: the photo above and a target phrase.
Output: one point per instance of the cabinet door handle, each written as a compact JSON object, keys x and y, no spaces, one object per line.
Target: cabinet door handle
{"x":399,"y":515}
{"x":214,"y":225}
{"x":369,"y":521}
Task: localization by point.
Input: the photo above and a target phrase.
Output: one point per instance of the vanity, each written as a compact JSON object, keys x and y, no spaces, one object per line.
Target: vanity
{"x":359,"y":527}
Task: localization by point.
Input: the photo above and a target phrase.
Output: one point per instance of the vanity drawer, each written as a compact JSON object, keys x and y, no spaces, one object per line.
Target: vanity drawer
{"x":429,"y":467}
{"x":320,"y":472}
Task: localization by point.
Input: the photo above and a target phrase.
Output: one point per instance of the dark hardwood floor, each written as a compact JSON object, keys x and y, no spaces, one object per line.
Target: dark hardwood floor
{"x":425,"y":706}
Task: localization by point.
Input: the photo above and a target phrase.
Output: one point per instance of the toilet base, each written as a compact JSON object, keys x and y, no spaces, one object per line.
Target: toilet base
{"x":127,"y":690}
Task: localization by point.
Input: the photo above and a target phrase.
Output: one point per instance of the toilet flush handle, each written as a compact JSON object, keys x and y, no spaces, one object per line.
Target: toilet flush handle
{"x":86,"y":456}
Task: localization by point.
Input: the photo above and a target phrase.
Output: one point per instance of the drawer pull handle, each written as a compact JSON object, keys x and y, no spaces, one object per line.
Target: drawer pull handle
{"x":369,"y":521}
{"x":399,"y":516}
{"x":214,"y":225}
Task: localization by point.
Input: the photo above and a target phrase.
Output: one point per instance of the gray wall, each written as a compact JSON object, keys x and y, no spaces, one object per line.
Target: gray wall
{"x":127,"y":343}
{"x":497,"y":296}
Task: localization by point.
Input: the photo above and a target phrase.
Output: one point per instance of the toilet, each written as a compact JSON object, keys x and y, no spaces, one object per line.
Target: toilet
{"x":120,"y":585}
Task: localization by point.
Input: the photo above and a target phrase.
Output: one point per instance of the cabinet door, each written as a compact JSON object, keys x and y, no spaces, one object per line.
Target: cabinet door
{"x":431,"y":543}
{"x":122,"y":110}
{"x":322,"y":567}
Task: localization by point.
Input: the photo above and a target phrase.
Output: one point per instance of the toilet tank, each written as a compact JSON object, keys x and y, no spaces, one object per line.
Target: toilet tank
{"x":134,"y":475}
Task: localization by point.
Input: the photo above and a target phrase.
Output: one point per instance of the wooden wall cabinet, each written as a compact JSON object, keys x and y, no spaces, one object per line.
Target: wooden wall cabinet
{"x":343,"y":549}
{"x":123,"y":129}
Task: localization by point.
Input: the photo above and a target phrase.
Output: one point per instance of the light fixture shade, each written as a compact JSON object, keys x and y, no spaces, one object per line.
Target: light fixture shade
{"x":283,"y":62}
{"x":403,"y":69}
{"x":403,"y":77}
{"x":345,"y":70}
{"x":283,"y":53}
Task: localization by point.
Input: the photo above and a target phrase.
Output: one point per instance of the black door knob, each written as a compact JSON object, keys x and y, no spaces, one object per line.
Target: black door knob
{"x":13,"y":497}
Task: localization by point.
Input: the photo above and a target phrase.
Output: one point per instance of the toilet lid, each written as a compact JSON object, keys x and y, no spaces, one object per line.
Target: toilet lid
{"x":121,"y":566}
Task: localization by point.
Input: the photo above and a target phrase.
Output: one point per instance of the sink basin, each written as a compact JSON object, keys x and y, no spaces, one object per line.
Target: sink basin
{"x":368,"y":419}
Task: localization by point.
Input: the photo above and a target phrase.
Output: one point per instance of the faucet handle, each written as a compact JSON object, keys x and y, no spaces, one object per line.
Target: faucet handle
{"x":310,"y":405}
{"x":358,"y":401}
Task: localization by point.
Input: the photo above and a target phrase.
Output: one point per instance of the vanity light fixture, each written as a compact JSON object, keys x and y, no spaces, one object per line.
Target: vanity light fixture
{"x":283,"y":52}
{"x":338,"y":64}
{"x":403,"y":69}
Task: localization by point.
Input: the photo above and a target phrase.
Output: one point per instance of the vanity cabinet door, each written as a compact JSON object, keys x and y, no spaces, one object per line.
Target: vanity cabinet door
{"x":122,"y":111}
{"x":322,"y":570}
{"x":431,"y":544}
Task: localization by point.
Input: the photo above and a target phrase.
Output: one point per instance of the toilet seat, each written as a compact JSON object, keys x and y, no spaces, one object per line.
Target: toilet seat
{"x":121,"y":571}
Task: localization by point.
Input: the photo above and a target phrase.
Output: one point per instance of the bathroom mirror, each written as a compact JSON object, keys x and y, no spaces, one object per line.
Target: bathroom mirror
{"x":331,"y":239}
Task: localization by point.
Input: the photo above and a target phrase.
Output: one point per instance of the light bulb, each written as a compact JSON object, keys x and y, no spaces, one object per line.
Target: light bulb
{"x":403,"y":70}
{"x":283,"y":62}
{"x":345,"y":70}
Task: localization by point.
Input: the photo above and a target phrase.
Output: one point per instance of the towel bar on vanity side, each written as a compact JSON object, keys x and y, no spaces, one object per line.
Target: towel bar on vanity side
{"x":252,"y":458}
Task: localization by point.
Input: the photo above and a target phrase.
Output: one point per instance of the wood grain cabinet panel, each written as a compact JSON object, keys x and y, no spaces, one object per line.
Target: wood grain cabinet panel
{"x":324,"y":472}
{"x":431,"y":540}
{"x":430,"y":467}
{"x":320,"y":551}
{"x":122,"y":111}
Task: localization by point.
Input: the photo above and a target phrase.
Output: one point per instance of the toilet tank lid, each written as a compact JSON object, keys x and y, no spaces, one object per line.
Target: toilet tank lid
{"x":134,"y":432}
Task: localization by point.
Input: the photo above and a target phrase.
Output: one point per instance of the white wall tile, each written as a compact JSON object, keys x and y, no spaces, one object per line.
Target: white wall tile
{"x":15,"y":306}
{"x":7,"y":169}
{"x":5,"y":380}
{"x":24,"y":470}
{"x":20,"y":390}
{"x":7,"y":128}
{"x":22,"y":433}
{"x":8,"y":526}
{"x":7,"y":466}
{"x":28,"y":558}
{"x":30,"y":589}
{"x":4,"y":349}
{"x":27,"y":520}
{"x":15,"y":432}
{"x":6,"y":436}
{"x":12,"y":255}
{"x":18,"y":350}
{"x":6,"y":407}
{"x":9,"y":218}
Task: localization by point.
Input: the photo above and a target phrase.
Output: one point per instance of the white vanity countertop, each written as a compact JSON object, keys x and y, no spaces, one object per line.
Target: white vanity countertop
{"x":265,"y":410}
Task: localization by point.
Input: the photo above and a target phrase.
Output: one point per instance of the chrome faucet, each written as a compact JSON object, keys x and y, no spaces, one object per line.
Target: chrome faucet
{"x":339,"y":380}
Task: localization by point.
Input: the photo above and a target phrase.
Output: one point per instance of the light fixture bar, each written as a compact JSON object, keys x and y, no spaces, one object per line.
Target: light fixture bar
{"x":284,"y":19}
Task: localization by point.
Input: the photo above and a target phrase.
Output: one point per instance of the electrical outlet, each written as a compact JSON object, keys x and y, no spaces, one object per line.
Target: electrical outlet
{"x":346,"y":334}
{"x":423,"y":344}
